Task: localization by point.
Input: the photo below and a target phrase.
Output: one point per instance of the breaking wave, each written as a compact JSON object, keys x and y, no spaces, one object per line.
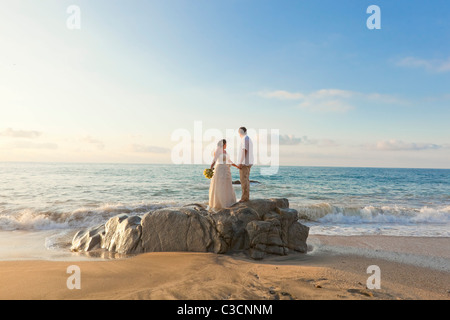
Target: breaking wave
{"x":32,"y":219}
{"x":328,"y":213}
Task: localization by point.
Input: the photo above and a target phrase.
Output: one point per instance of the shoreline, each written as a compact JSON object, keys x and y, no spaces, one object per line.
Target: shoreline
{"x":427,"y":252}
{"x":319,"y":274}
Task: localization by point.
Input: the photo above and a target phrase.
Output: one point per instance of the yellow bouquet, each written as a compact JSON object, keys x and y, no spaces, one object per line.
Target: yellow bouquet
{"x":208,"y":173}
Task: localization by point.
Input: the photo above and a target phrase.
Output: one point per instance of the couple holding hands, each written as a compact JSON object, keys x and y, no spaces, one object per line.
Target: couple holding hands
{"x":221,"y":192}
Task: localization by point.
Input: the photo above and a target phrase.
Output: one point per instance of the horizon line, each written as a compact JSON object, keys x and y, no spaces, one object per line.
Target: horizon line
{"x":196,"y":164}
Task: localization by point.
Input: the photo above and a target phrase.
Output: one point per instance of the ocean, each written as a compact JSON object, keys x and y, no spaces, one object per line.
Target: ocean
{"x":57,"y":199}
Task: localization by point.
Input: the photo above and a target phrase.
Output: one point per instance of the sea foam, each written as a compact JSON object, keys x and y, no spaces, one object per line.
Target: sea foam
{"x":32,"y":219}
{"x":328,"y":213}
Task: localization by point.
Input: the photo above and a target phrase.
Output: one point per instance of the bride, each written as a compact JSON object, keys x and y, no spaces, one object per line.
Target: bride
{"x":221,"y":192}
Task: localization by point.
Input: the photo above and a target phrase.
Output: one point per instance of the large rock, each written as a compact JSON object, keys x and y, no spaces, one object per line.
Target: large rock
{"x":258,"y":227}
{"x":90,"y":239}
{"x":180,"y":229}
{"x":123,"y":234}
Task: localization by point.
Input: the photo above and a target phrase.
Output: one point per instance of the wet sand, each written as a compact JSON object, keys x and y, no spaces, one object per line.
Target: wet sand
{"x":320,"y":274}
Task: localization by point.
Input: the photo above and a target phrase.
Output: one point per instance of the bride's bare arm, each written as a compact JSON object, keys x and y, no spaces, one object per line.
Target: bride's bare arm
{"x":214,"y":161}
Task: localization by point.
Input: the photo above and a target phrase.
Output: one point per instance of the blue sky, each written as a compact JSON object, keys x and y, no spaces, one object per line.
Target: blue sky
{"x":115,"y":90}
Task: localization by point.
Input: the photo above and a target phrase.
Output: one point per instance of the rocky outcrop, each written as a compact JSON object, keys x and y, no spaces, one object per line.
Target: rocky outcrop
{"x":258,"y":227}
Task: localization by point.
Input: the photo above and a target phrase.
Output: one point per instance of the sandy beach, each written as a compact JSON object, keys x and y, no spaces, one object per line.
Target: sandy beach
{"x":320,"y":274}
{"x":268,"y":151}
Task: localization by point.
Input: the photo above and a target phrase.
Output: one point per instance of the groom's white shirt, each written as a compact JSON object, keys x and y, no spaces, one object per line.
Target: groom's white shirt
{"x":246,"y":144}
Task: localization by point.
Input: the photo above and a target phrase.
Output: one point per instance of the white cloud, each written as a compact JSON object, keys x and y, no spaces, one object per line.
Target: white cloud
{"x":433,"y":65}
{"x":283,"y":95}
{"x":33,"y":145}
{"x":331,"y":100}
{"x":291,"y":140}
{"x":97,"y":143}
{"x":148,"y":149}
{"x":25,"y":139}
{"x":398,"y":145}
{"x":332,"y":93}
{"x":20,"y":133}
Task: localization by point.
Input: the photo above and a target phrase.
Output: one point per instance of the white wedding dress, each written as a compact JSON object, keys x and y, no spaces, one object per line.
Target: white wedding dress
{"x":221,"y":192}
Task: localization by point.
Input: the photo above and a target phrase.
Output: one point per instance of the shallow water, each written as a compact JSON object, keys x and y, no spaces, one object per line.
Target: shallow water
{"x":62,"y":198}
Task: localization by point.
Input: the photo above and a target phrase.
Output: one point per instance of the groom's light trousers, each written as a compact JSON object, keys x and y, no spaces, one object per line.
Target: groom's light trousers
{"x":244,"y":175}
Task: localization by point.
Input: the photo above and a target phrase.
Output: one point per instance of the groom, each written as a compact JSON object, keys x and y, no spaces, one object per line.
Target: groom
{"x":245,"y":163}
